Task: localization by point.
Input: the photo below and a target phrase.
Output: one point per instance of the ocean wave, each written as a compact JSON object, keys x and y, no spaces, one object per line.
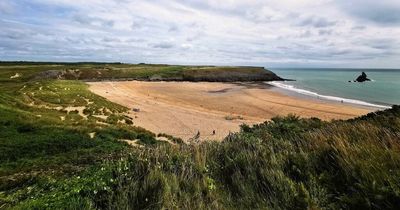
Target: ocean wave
{"x":331,"y":98}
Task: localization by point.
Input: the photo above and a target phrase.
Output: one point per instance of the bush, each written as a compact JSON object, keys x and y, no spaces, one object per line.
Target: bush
{"x":26,"y":128}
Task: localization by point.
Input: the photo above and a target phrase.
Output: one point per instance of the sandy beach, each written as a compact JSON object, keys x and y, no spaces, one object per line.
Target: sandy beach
{"x":183,"y":109}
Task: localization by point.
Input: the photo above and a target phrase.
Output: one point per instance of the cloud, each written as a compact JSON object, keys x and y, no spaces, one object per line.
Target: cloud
{"x":163,"y":45}
{"x":358,"y":27}
{"x":6,"y":7}
{"x":237,"y":32}
{"x":186,"y":46}
{"x":317,"y":22}
{"x":173,"y":28}
{"x":93,"y":21}
{"x":325,"y":32}
{"x":382,"y":44}
{"x":111,"y":39}
{"x":264,"y":14}
{"x":385,"y":12}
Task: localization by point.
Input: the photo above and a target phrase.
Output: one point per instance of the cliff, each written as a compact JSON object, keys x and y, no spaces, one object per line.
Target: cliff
{"x":147,"y":72}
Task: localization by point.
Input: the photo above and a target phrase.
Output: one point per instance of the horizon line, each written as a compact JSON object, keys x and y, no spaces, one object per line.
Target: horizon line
{"x":144,"y":63}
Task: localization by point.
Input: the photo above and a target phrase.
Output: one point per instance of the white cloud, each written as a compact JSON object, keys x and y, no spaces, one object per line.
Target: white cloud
{"x":246,"y":32}
{"x":385,"y":12}
{"x":6,"y":6}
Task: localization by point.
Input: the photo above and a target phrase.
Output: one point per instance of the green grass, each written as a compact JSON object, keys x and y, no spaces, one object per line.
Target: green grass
{"x":117,"y":71}
{"x":40,"y":140}
{"x":285,"y":163}
{"x":288,"y":163}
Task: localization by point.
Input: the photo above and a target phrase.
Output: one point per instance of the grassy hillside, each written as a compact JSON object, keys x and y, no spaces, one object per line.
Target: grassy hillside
{"x":117,"y":71}
{"x":61,"y":148}
{"x":54,"y":129}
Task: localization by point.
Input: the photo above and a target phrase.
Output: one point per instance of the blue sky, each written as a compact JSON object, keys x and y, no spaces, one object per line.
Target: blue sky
{"x":302,"y":33}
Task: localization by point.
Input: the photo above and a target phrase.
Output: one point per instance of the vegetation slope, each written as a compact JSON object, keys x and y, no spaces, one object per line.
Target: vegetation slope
{"x":146,"y":72}
{"x":61,"y":148}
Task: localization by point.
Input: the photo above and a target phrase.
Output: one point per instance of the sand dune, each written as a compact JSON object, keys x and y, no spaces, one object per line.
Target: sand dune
{"x":182,"y":109}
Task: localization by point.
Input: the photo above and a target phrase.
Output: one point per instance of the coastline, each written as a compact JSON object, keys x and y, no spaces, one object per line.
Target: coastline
{"x":314,"y":96}
{"x":182,"y":109}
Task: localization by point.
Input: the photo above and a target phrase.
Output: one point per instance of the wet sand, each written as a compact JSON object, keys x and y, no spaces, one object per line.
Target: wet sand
{"x":183,"y":109}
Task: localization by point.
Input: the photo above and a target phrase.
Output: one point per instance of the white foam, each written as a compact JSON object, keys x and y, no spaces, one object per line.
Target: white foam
{"x":331,"y":98}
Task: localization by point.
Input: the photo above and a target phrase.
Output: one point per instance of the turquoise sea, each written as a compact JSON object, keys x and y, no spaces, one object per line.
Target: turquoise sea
{"x":332,"y":84}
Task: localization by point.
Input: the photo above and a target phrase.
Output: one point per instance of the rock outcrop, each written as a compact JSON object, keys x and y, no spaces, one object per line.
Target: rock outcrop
{"x":362,"y":78}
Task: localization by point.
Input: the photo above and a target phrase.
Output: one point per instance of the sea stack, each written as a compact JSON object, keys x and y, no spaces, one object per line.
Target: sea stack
{"x":362,"y":78}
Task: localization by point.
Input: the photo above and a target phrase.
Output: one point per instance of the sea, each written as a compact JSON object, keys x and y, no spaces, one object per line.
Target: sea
{"x":381,"y":92}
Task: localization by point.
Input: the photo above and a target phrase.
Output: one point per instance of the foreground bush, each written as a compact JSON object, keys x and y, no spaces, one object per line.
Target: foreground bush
{"x":288,"y":163}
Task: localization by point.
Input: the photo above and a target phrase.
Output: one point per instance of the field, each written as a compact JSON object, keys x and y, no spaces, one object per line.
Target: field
{"x":63,"y":147}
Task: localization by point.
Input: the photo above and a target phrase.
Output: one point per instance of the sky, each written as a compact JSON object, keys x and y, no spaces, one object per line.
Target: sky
{"x":284,"y":33}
